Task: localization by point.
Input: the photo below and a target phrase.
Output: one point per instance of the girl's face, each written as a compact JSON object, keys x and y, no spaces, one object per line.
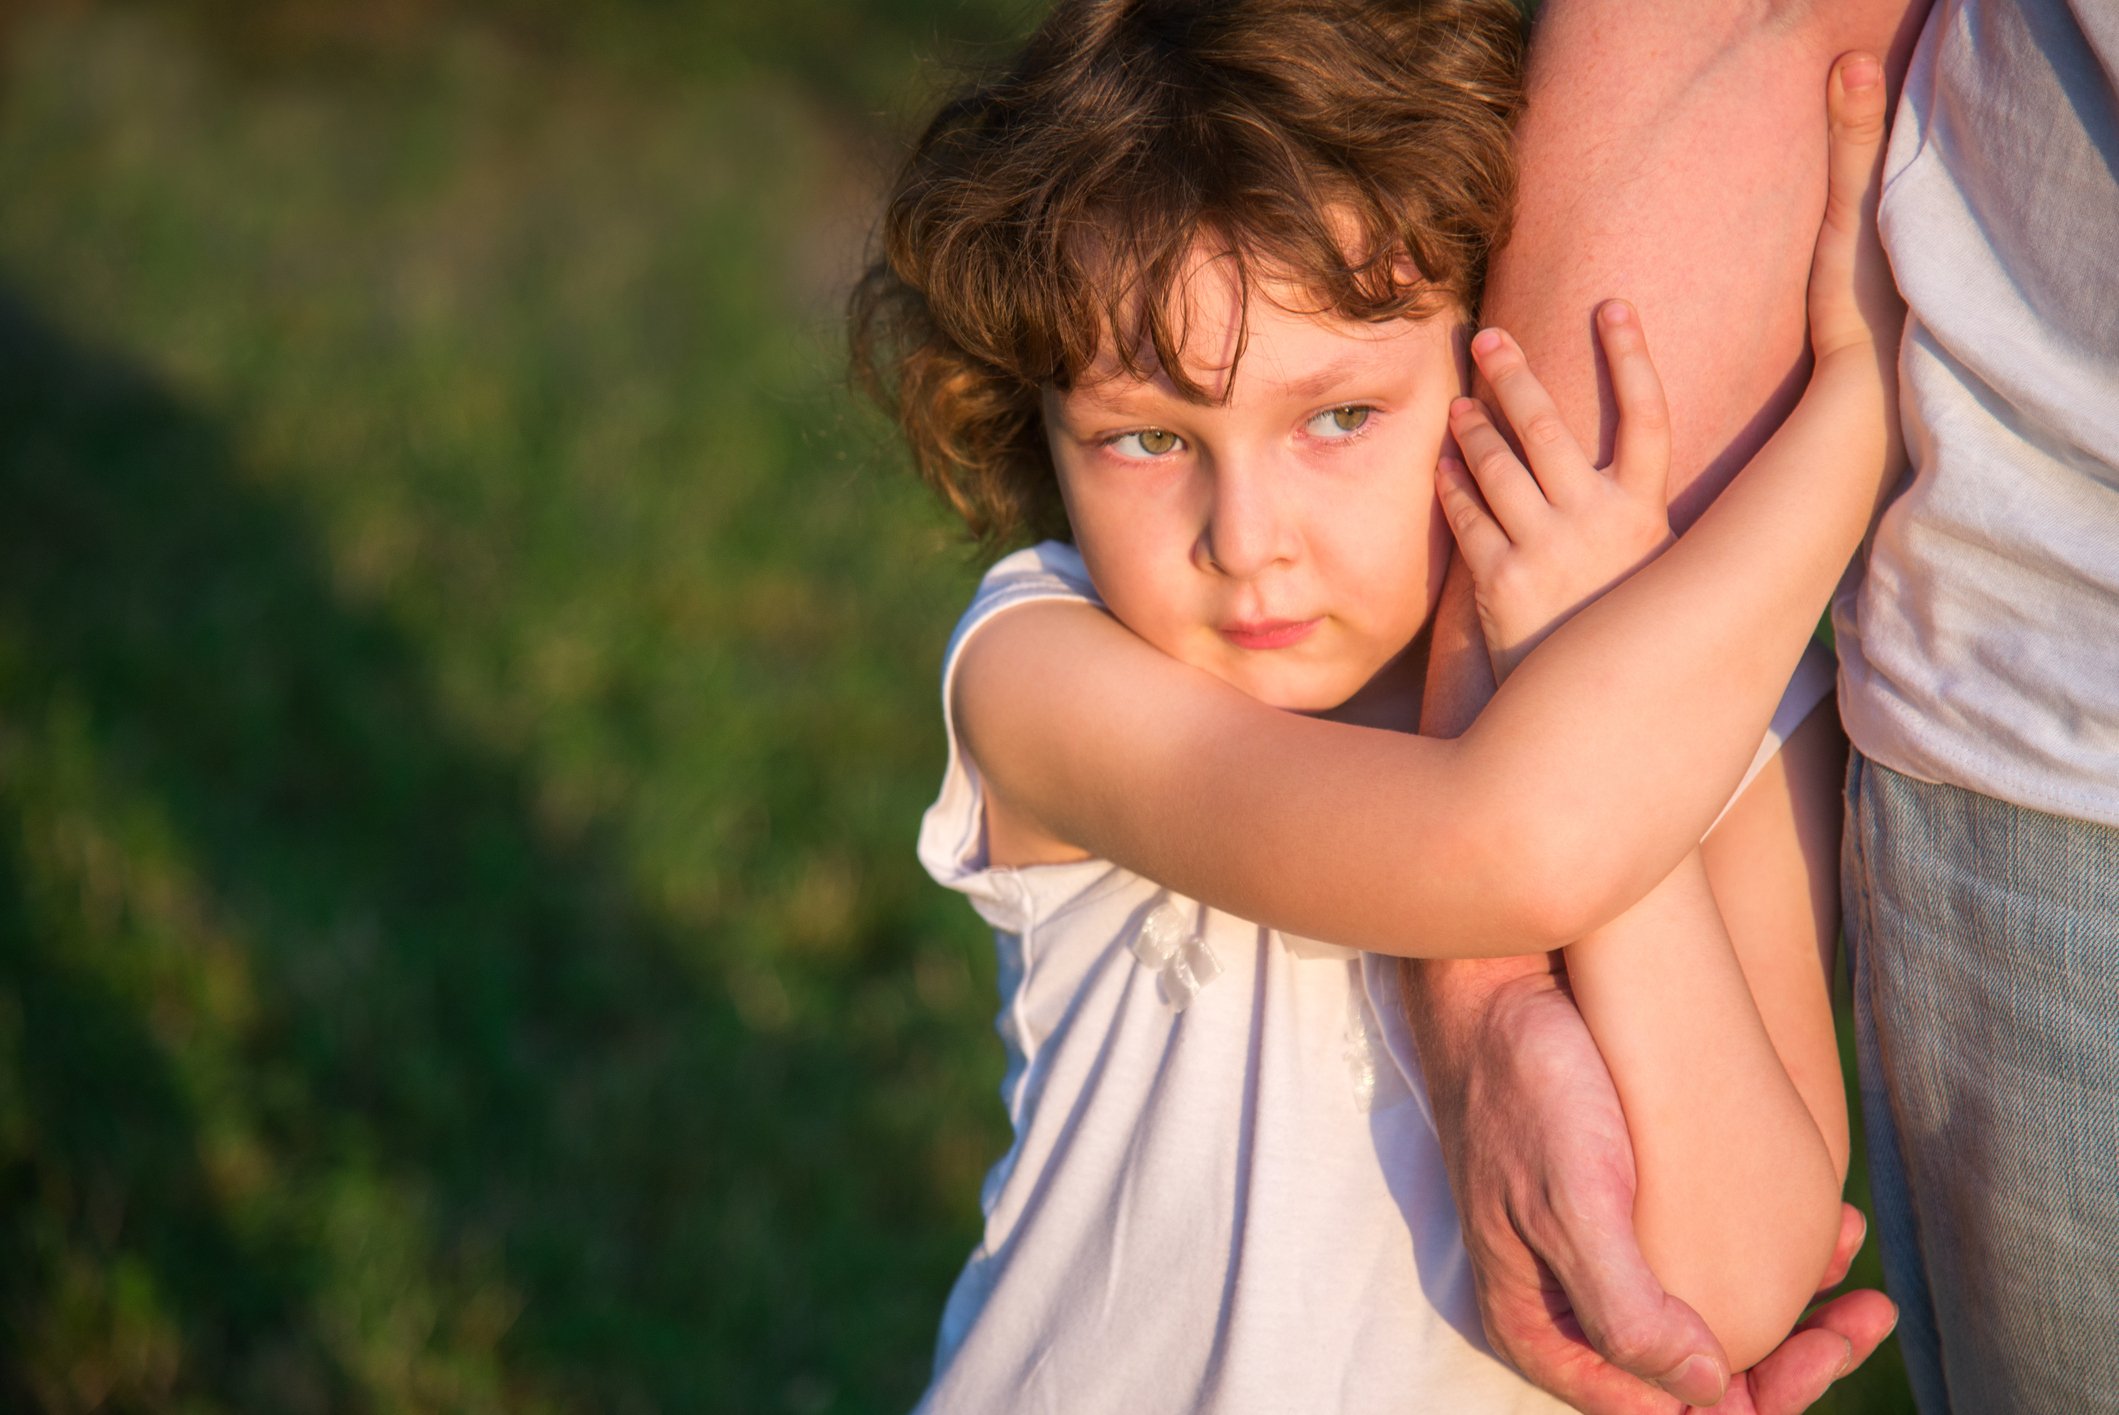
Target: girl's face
{"x":1284,"y":537}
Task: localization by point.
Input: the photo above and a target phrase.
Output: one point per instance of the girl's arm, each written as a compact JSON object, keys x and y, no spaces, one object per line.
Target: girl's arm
{"x":1724,"y":1063}
{"x":1722,"y":1057}
{"x":1537,"y":1139}
{"x":1574,"y":793}
{"x":1737,"y":1180}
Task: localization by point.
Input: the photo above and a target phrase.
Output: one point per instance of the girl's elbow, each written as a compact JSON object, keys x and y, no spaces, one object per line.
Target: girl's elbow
{"x":1564,"y":889}
{"x":1839,"y":1145}
{"x":1752,"y":1311}
{"x":1558,"y":866}
{"x":1552,"y":913}
{"x":1547,"y":877}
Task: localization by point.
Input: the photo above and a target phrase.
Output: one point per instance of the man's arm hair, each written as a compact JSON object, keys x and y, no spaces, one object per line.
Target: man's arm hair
{"x":1673,"y":153}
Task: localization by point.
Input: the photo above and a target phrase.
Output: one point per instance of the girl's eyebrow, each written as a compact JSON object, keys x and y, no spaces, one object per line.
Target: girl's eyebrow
{"x":1332,"y":376}
{"x":1115,"y":393}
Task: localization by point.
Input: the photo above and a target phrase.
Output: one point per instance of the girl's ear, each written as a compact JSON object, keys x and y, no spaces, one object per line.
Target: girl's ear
{"x":1059,"y":520}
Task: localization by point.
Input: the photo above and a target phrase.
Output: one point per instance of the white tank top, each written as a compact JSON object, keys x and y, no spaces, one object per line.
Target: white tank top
{"x":1225,"y":1192}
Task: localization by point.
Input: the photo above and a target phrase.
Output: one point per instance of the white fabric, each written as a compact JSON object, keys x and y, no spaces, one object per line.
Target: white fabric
{"x":1237,"y":1206}
{"x":1981,"y":647}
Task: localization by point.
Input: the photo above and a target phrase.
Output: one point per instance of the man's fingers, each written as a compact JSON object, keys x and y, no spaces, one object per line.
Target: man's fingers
{"x":1668,"y":1347}
{"x":1853,"y":1227}
{"x":1641,"y":453}
{"x":1832,"y":1341}
{"x":1590,"y":1384}
{"x":1511,"y":495}
{"x":1863,"y":1317}
{"x":1555,"y":457}
{"x":1627,"y":1316}
{"x":1798,"y":1372}
{"x":1529,"y":1326}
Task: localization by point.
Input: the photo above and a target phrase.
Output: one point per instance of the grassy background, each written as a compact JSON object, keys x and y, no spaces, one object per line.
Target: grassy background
{"x":466,"y":691}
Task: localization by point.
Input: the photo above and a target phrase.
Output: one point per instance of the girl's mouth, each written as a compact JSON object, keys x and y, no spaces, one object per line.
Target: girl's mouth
{"x":1268,"y":633}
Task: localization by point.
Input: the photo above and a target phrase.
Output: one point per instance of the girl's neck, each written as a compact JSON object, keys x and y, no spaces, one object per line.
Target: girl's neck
{"x":1391,"y":699}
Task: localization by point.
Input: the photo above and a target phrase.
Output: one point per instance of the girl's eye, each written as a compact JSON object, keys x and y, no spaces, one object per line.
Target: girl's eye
{"x":1145,"y":445}
{"x":1340,"y":422}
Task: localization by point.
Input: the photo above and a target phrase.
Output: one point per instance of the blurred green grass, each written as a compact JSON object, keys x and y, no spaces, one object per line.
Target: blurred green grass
{"x":467,"y":677}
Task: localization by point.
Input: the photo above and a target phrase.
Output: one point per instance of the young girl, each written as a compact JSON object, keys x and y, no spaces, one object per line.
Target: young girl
{"x":1188,"y":288}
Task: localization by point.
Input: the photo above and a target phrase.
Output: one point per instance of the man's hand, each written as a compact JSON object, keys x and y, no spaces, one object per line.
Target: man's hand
{"x":1543,"y":1173}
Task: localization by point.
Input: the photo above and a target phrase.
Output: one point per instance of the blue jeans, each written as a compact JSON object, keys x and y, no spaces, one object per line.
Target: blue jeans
{"x":1985,"y":950}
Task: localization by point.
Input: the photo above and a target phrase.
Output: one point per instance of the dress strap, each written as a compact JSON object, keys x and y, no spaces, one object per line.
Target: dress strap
{"x":953,"y":832}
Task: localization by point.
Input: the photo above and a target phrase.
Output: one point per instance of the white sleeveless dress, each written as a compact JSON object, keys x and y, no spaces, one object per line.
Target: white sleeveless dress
{"x":1225,"y":1191}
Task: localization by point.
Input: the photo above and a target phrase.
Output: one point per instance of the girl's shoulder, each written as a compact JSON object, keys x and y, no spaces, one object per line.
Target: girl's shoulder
{"x":1046,"y":571}
{"x":1050,"y":573}
{"x":956,"y":833}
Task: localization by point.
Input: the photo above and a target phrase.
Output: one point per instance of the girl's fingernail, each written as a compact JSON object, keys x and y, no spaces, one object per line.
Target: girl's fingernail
{"x":1860,"y":72}
{"x":1463,"y":407}
{"x":1617,"y":312}
{"x":1486,"y":341}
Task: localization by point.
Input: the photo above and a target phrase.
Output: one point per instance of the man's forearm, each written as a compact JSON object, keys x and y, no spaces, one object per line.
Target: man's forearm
{"x":1658,"y":152}
{"x":1673,"y":153}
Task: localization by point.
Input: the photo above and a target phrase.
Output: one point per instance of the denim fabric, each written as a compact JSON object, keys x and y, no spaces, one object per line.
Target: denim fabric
{"x":1985,"y":948}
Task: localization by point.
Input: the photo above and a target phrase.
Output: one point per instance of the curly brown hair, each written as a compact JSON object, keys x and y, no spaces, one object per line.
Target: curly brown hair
{"x":1358,"y":150}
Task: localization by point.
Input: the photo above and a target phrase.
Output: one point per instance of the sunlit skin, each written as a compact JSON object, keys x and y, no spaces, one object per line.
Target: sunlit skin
{"x":1247,"y":539}
{"x":1282,"y":534}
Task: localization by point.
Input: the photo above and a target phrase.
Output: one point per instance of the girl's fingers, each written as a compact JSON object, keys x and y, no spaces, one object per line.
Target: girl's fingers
{"x":1555,"y":457}
{"x":1854,"y":110}
{"x":1479,"y":536}
{"x":1640,"y":458}
{"x":1848,"y":255}
{"x":1515,"y":499}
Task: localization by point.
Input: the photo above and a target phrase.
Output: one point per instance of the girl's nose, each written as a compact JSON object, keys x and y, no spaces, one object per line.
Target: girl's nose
{"x":1247,"y":529}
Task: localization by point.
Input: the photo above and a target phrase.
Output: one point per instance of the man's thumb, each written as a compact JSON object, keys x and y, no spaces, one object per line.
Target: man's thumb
{"x":1638,"y":1327}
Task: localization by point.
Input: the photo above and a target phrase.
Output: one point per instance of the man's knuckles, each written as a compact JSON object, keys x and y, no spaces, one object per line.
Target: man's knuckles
{"x":1632,"y":1341}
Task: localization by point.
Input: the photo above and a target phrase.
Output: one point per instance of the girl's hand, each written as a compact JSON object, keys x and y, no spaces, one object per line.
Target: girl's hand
{"x":1854,"y":306}
{"x":1543,"y":541}
{"x":1856,"y":315}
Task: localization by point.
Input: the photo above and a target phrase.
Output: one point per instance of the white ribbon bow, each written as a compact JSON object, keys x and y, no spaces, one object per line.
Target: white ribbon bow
{"x":1178,"y":951}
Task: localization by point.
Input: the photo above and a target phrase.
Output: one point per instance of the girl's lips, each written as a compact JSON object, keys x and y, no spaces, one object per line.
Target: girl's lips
{"x":1269,"y":633}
